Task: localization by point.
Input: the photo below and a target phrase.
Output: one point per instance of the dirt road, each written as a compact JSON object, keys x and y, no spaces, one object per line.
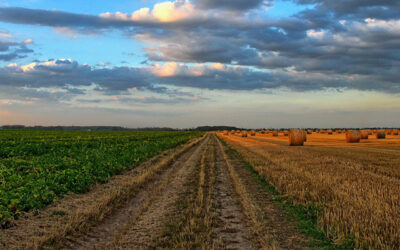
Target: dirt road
{"x":202,"y":197}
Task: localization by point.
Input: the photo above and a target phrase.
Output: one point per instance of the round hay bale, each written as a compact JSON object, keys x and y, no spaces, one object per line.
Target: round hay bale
{"x":296,"y":137}
{"x":244,"y":134}
{"x":252,"y":133}
{"x":309,"y":132}
{"x":329,"y":132}
{"x":364,"y":134}
{"x":353,"y":136}
{"x":285,"y":133}
{"x":369,"y":132}
{"x":395,"y":132}
{"x":381,"y":134}
{"x":274,"y":133}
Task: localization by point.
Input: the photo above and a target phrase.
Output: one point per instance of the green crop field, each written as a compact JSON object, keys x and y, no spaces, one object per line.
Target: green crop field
{"x":37,"y":167}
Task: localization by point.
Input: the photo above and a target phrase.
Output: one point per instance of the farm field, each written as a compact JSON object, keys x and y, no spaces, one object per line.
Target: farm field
{"x":355,"y":186}
{"x":216,"y":191}
{"x":37,"y":167}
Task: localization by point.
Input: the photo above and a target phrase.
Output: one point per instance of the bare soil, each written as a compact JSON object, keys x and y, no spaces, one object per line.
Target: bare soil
{"x":232,"y":228}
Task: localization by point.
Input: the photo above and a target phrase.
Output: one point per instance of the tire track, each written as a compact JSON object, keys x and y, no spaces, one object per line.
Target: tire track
{"x":190,"y":225}
{"x":135,"y":224}
{"x":275,"y":230}
{"x":232,"y":228}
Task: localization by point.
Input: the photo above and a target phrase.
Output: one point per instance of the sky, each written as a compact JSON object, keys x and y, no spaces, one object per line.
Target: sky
{"x":188,"y":63}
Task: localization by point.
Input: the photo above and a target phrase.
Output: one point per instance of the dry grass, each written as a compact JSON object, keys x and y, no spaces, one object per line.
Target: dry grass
{"x":192,"y":225}
{"x":358,"y":188}
{"x":250,"y":209}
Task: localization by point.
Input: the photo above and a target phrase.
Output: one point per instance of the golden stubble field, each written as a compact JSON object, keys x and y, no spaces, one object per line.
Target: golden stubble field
{"x":357,"y":185}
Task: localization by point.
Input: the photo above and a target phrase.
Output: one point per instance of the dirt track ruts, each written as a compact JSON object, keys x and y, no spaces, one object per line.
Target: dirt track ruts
{"x":243,"y":216}
{"x":232,"y":227}
{"x":140,"y":221}
{"x":202,"y":189}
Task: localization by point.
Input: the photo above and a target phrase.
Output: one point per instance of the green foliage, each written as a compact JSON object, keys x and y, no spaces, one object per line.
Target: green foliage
{"x":37,"y":167}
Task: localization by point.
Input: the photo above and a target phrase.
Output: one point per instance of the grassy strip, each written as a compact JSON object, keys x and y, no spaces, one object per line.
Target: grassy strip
{"x":191,"y":225}
{"x":249,"y":208}
{"x":305,"y":217}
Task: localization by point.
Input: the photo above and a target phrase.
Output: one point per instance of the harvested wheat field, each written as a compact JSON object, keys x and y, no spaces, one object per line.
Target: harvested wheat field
{"x":353,"y":188}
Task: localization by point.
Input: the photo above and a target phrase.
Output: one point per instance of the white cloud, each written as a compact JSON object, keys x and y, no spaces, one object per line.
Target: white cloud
{"x":162,"y":12}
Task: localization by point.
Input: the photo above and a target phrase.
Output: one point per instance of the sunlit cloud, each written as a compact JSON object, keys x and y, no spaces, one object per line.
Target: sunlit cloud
{"x":182,"y":52}
{"x":162,"y":12}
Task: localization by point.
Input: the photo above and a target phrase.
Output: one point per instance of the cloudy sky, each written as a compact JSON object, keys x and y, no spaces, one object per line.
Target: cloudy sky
{"x":186,"y":63}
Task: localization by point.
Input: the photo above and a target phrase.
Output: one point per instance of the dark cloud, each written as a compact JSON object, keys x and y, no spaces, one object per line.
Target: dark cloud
{"x":354,"y":6}
{"x":61,"y":73}
{"x":239,"y":5}
{"x":51,"y":18}
{"x":12,"y":50}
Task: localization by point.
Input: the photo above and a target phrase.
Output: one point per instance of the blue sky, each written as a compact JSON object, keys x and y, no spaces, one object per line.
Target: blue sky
{"x":253,"y":63}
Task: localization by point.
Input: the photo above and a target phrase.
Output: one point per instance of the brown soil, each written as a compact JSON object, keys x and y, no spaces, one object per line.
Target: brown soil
{"x":231,"y":228}
{"x":149,"y":225}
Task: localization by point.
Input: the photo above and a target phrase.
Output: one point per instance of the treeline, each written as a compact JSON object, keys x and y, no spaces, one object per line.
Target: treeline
{"x":214,"y":128}
{"x":86,"y":128}
{"x":116,"y":128}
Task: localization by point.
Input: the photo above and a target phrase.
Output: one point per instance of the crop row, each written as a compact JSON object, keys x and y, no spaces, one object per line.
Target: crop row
{"x":37,"y":167}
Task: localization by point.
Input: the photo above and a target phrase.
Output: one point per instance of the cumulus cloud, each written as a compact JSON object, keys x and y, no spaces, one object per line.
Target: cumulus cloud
{"x":335,"y":44}
{"x":162,"y":12}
